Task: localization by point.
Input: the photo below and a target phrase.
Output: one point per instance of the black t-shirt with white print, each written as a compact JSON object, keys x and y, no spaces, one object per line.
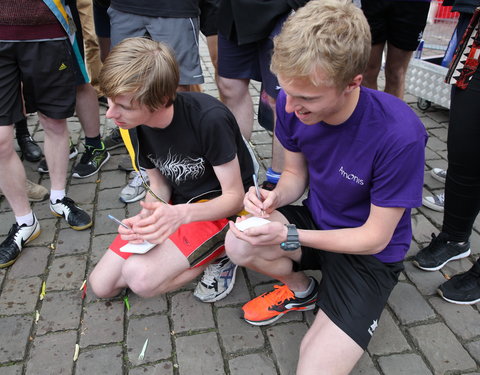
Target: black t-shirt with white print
{"x":203,"y":133}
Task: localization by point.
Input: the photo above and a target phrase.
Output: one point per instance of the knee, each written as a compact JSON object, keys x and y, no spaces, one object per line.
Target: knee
{"x":232,"y":89}
{"x":139,"y":281}
{"x":239,"y":251}
{"x":99,"y":285}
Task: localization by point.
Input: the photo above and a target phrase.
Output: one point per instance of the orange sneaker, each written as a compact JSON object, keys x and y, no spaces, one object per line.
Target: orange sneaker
{"x":270,"y":306}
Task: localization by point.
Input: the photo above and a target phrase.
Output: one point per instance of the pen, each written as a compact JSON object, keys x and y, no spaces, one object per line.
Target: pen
{"x":257,"y":189}
{"x":118,"y":221}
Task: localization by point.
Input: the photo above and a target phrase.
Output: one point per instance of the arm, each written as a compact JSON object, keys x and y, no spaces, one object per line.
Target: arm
{"x":159,"y":185}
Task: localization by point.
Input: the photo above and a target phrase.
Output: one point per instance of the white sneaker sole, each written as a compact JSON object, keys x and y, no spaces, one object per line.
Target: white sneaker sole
{"x":457,"y":302}
{"x":459,"y":256}
{"x":274,"y":319}
{"x":134,"y":199}
{"x":432,"y":206}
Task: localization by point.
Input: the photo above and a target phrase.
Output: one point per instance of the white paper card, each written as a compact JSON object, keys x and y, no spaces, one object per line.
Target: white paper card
{"x":137,"y":248}
{"x":251,"y":222}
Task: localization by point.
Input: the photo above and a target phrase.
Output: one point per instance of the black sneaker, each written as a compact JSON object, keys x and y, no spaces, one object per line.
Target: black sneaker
{"x":463,"y":289}
{"x":113,"y":140}
{"x":17,"y":238}
{"x":31,"y":151}
{"x":43,"y":167}
{"x":91,"y":161}
{"x":76,"y":218}
{"x":267,"y":185}
{"x":439,"y":252}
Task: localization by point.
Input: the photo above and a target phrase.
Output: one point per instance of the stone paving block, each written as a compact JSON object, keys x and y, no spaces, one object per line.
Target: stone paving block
{"x":258,"y":278}
{"x":100,"y":244}
{"x":101,"y":361}
{"x":430,"y":154}
{"x":113,"y":179}
{"x":102,"y":323}
{"x":408,"y":305}
{"x":188,"y":313}
{"x":163,"y":368}
{"x":11,"y":370}
{"x":258,"y":364}
{"x":440,"y":116}
{"x":199,"y":354}
{"x":426,"y":282}
{"x":434,"y":216}
{"x":14,"y":338}
{"x":239,"y":293}
{"x":32,"y":262}
{"x":19,"y":296}
{"x":236,"y":333}
{"x":455,"y":267}
{"x":474,"y":349}
{"x":440,"y":133}
{"x":436,"y":144}
{"x":261,"y":138}
{"x":461,"y":319}
{"x":403,"y":364}
{"x":146,"y":306}
{"x":47,"y":235}
{"x":422,"y":228}
{"x":104,"y":225}
{"x":83,"y":193}
{"x":157,"y":330}
{"x":67,"y":273}
{"x":72,"y":242}
{"x":60,"y":311}
{"x":108,"y":199}
{"x":364,"y":366}
{"x":441,"y":348}
{"x":387,"y":338}
{"x":7,"y":219}
{"x":413,"y":250}
{"x":292,"y":316}
{"x":285,"y":341}
{"x":52,"y":354}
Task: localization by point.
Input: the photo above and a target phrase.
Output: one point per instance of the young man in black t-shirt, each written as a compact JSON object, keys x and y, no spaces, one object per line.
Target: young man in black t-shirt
{"x":195,"y":158}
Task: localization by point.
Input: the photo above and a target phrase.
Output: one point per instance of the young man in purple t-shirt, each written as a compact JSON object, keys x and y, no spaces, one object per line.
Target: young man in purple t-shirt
{"x":360,"y":153}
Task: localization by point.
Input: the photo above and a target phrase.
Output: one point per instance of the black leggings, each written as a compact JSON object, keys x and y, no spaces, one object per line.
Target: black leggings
{"x":462,"y":187}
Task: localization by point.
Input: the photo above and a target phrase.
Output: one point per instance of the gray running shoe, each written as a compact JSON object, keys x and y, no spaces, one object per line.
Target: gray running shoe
{"x":439,"y":174}
{"x":135,"y":190}
{"x":217,"y":281}
{"x":435,"y":202}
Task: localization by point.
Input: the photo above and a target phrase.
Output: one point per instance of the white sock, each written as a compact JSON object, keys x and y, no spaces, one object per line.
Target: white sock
{"x":56,"y":195}
{"x":25,"y":219}
{"x":308,"y":291}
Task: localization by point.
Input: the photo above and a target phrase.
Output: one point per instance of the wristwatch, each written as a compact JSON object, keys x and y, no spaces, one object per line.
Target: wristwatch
{"x":292,"y":242}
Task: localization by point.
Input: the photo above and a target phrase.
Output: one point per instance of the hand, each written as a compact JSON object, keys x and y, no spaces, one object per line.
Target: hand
{"x":157,"y":221}
{"x":258,"y":208}
{"x":273,"y":233}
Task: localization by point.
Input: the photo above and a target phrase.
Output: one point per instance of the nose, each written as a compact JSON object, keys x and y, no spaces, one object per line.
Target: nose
{"x":111,"y":111}
{"x":290,"y":104}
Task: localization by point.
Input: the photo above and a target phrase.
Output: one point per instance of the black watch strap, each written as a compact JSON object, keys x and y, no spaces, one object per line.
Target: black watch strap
{"x":292,"y":242}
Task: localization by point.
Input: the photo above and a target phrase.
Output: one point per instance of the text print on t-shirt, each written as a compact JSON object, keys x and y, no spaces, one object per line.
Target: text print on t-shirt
{"x":180,"y":168}
{"x":350,"y":176}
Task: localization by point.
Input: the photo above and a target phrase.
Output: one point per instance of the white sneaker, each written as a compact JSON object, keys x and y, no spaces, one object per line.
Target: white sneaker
{"x":439,"y":174}
{"x":435,"y":202}
{"x":217,"y":281}
{"x":135,"y":190}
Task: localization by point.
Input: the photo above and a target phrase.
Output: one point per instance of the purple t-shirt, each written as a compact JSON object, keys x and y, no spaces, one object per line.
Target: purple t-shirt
{"x":375,"y":157}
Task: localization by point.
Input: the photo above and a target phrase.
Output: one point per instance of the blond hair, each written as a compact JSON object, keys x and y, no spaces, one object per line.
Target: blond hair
{"x":142,"y":67}
{"x":329,"y":35}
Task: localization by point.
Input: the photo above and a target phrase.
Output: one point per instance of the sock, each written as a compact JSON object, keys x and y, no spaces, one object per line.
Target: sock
{"x":21,"y":128}
{"x":306,"y":292}
{"x":272,"y":176}
{"x":95,"y":142}
{"x":25,"y":219}
{"x":56,"y":195}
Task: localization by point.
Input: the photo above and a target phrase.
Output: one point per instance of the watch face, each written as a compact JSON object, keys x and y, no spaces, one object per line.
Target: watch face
{"x":290,"y":245}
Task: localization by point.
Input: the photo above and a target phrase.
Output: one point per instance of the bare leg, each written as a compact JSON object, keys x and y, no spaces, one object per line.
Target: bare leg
{"x":235,"y":95}
{"x":12,"y":174}
{"x":56,"y":149}
{"x":396,"y":70}
{"x":334,"y":344}
{"x":88,"y":110}
{"x":373,"y":67}
{"x":104,"y":45}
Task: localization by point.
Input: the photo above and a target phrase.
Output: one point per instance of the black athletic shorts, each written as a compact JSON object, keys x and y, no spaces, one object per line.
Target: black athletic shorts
{"x":47,"y":71}
{"x":398,"y":22}
{"x":354,"y":288}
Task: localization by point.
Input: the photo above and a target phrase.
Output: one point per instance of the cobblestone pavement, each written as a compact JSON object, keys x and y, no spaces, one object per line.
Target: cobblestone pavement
{"x":418,"y":332}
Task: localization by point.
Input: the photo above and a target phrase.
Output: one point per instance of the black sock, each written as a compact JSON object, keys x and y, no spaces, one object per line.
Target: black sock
{"x":95,"y":142}
{"x":21,"y":128}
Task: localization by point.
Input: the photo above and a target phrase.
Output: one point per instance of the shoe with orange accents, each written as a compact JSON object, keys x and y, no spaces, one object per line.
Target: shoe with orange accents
{"x":270,"y":306}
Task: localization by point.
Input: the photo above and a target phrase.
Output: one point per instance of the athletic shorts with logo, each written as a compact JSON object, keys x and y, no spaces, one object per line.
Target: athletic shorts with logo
{"x":200,"y":241}
{"x":354,"y":288}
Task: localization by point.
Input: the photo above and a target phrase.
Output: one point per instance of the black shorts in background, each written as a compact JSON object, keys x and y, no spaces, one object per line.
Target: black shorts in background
{"x":398,"y":22}
{"x":354,"y":288}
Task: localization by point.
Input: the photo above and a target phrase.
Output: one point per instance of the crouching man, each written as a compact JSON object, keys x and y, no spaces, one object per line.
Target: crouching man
{"x":195,"y":158}
{"x":360,"y":154}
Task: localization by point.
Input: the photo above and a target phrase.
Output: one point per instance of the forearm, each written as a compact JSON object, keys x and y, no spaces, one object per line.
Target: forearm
{"x":290,"y":187}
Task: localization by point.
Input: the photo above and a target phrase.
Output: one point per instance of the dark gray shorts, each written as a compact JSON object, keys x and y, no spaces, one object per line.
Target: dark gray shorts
{"x":181,"y":34}
{"x":47,"y":71}
{"x":354,"y":288}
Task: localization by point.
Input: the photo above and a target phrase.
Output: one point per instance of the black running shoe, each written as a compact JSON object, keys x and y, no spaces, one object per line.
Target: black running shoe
{"x":439,"y":252}
{"x":464,"y":288}
{"x":17,"y":238}
{"x":76,"y":218}
{"x":113,"y":140}
{"x":91,"y":161}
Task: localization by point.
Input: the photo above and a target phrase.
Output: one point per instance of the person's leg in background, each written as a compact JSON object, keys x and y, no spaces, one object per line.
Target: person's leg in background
{"x":102,"y":26}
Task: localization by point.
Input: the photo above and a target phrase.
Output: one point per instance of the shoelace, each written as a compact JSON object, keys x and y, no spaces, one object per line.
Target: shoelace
{"x":211,"y":273}
{"x":12,"y":234}
{"x":441,"y":198}
{"x":280,"y":294}
{"x":137,"y":178}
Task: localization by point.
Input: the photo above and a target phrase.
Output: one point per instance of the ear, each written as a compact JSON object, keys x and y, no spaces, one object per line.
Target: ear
{"x":354,"y":83}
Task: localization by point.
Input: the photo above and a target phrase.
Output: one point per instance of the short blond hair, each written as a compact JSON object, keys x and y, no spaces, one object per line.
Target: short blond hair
{"x":142,"y":67}
{"x":331,"y":35}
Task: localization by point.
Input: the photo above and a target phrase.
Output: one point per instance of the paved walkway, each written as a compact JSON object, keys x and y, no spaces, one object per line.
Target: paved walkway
{"x":417,"y":334}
